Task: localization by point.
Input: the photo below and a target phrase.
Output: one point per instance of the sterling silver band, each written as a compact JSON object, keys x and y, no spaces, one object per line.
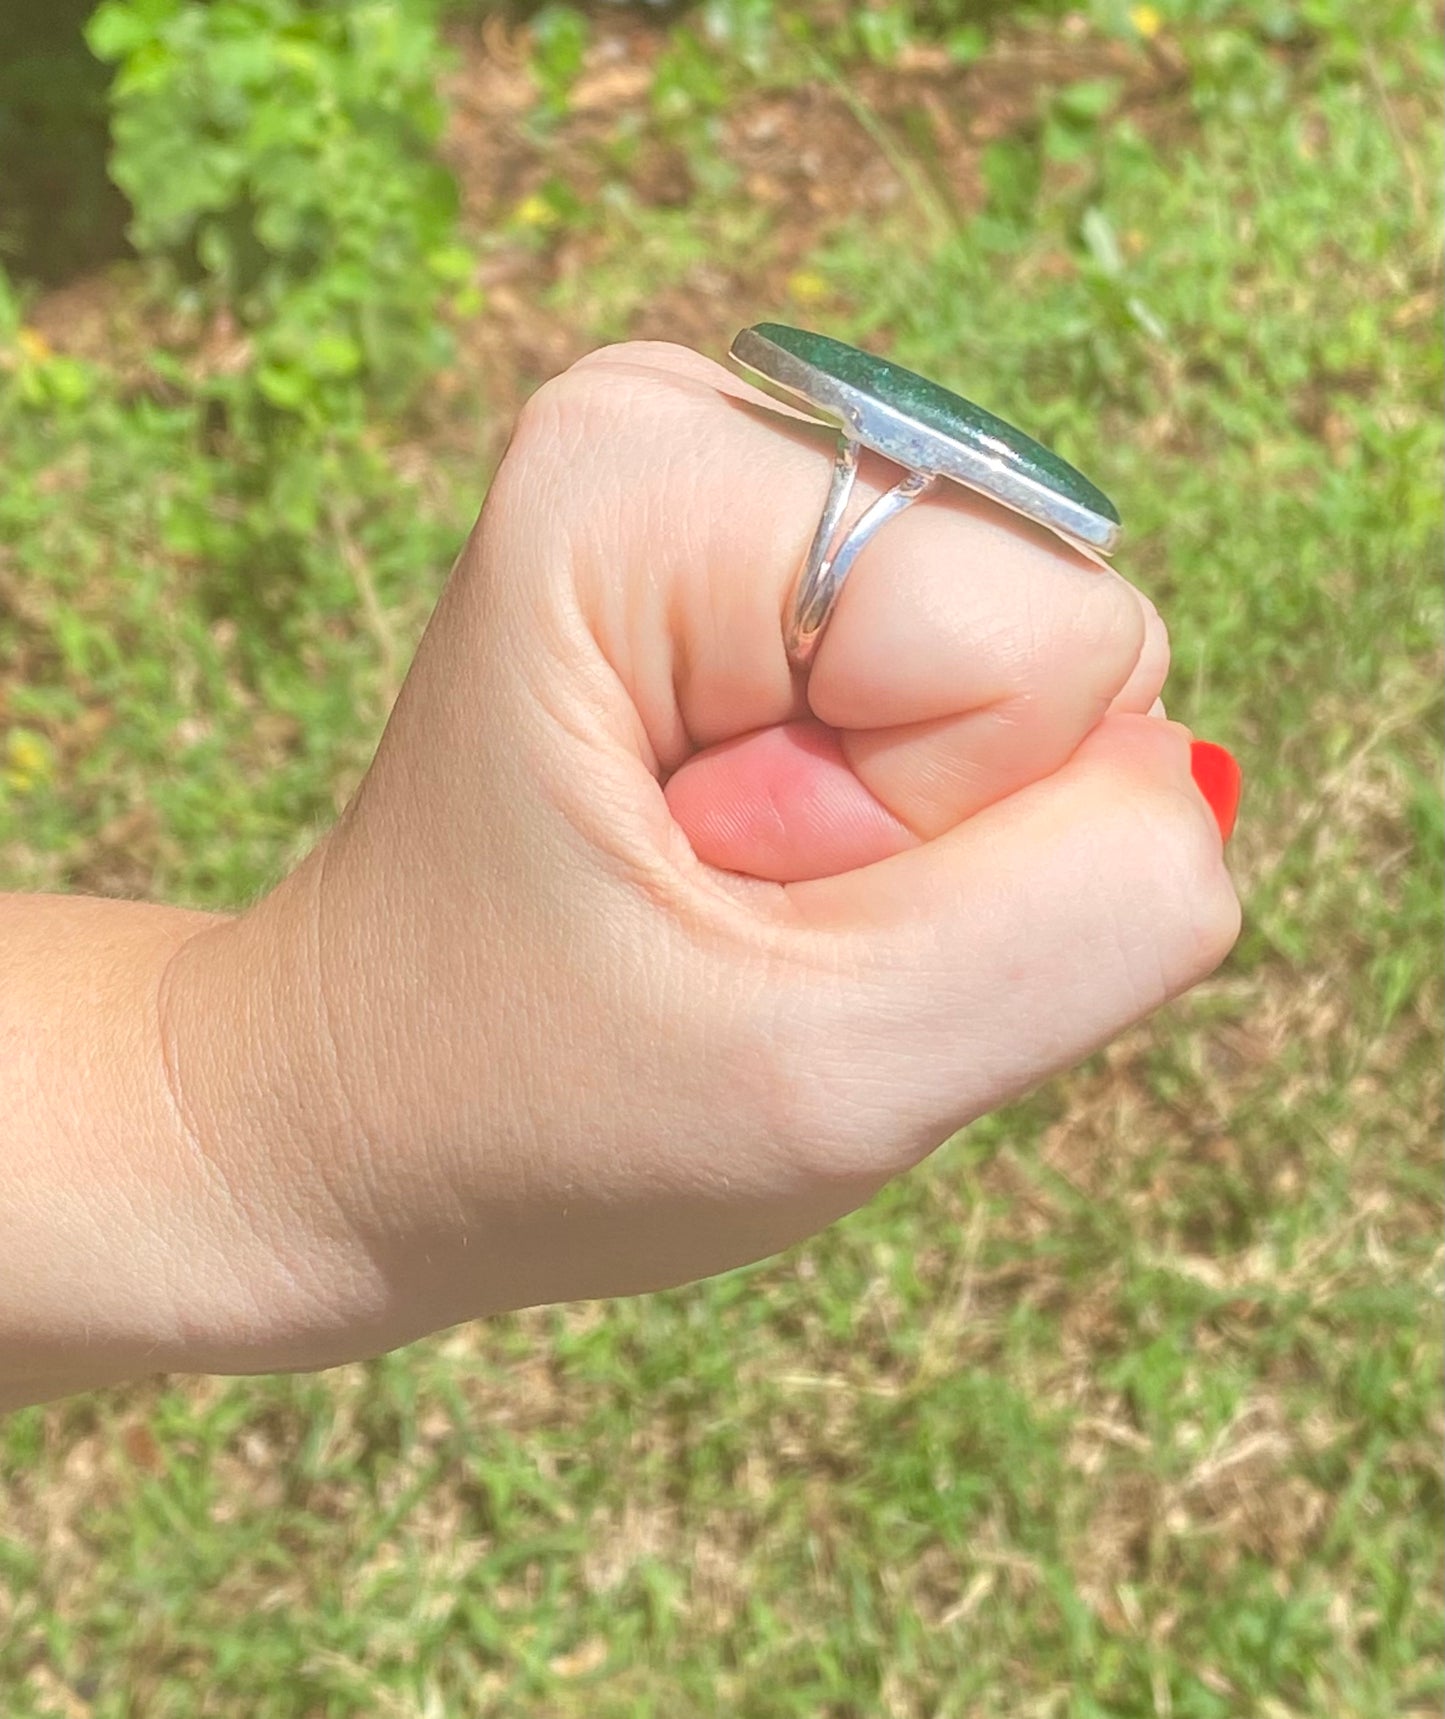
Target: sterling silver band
{"x":930,"y":433}
{"x":820,"y":579}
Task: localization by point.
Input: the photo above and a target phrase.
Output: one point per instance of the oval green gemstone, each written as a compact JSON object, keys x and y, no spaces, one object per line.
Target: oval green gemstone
{"x":941,"y":410}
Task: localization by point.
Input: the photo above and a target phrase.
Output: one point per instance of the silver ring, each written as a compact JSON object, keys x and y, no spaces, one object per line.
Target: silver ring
{"x":932,"y":434}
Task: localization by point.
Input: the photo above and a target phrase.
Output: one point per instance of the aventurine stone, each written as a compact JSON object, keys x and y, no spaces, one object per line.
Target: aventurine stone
{"x":941,"y":410}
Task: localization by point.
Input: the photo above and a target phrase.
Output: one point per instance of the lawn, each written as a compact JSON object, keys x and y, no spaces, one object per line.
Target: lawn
{"x":1128,"y":1402}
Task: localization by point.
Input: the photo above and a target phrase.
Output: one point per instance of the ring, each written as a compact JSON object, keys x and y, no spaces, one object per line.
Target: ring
{"x":931,"y":433}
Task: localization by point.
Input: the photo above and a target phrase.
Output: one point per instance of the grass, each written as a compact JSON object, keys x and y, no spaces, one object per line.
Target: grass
{"x":1128,"y":1403}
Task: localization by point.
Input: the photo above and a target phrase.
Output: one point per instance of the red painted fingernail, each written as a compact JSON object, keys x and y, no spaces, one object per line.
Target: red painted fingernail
{"x":1218,"y":776}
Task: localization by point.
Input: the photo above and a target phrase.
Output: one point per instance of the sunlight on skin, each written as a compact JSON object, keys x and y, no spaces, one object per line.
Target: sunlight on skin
{"x":971,"y":655}
{"x":783,"y":804}
{"x":786,"y":804}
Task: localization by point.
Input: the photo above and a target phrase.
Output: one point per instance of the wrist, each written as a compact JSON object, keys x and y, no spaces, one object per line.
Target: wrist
{"x":262,"y":1118}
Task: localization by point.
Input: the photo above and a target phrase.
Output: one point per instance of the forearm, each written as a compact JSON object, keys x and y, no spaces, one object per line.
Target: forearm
{"x":148,"y":1067}
{"x":94,"y":1178}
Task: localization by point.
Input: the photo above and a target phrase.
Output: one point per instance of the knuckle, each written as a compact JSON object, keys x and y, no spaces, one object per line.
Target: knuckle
{"x":1218,"y":917}
{"x":572,"y":400}
{"x":1196,"y":901}
{"x":554,"y":415}
{"x":580,"y":416}
{"x":1076,"y":642}
{"x":647,"y":354}
{"x":1156,"y":646}
{"x":574,"y":451}
{"x":1110,"y":627}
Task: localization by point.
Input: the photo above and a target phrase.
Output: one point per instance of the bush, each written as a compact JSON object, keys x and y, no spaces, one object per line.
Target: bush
{"x":215,"y":566}
{"x":279,"y":159}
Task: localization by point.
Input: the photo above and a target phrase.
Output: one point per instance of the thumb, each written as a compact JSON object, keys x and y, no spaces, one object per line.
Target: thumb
{"x":986,"y":960}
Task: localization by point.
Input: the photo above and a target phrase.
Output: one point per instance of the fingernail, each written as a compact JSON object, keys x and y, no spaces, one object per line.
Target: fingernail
{"x":1218,"y":777}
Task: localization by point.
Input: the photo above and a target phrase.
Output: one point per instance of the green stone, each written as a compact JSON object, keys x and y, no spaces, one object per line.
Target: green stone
{"x":941,"y":410}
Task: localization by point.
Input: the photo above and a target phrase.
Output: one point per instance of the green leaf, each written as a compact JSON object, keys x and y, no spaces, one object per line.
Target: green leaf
{"x":334,"y":355}
{"x":283,"y":386}
{"x":451,"y":263}
{"x":559,"y":48}
{"x":117,"y":28}
{"x":1098,"y":234}
{"x":883,"y":33}
{"x":969,"y":42}
{"x":1088,"y":100}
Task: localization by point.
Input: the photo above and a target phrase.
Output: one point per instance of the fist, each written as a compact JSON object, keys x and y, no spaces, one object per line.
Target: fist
{"x":638,"y":956}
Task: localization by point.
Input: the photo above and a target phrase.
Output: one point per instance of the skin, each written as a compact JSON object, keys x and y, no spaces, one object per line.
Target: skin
{"x":635,"y":956}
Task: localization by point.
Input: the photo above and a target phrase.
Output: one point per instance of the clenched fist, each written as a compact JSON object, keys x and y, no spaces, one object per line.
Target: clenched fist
{"x":638,"y":956}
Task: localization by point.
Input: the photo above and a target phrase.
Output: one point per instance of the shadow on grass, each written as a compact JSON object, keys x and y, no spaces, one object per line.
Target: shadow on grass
{"x":60,"y":215}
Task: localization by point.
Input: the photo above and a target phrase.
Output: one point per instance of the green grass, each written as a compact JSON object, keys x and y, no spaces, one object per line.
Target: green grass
{"x":1128,"y":1403}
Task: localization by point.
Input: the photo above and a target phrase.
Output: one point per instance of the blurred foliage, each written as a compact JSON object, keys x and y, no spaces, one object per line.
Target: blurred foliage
{"x":280,"y":157}
{"x":298,"y":233}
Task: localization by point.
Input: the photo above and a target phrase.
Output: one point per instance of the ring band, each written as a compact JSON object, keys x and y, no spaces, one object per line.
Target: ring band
{"x":931,"y":433}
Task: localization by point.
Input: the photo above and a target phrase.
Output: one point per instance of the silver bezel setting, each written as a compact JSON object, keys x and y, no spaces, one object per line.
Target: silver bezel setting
{"x":917,"y":446}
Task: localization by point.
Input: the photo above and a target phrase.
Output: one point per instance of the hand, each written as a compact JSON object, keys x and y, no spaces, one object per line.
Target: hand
{"x":523,"y":1039}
